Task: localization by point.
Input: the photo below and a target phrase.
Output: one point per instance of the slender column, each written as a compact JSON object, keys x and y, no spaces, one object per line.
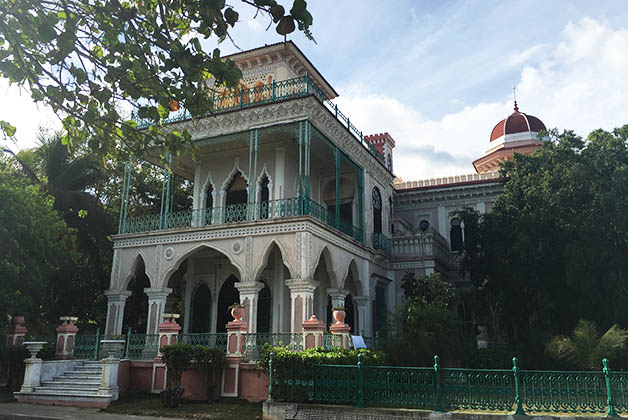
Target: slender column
{"x":124,"y":197}
{"x":249,"y":294}
{"x":302,"y":302}
{"x":280,"y":173}
{"x":308,"y":139}
{"x":165,"y":195}
{"x":364,"y":315}
{"x":300,"y":188}
{"x":254,"y":179}
{"x":361,"y":202}
{"x":251,"y":175}
{"x":116,"y":300}
{"x":156,"y":307}
{"x":337,"y":207}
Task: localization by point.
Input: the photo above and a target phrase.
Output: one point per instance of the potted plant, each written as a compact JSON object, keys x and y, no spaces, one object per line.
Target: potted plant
{"x":173,"y":104}
{"x":237,"y":311}
{"x":339,"y":314}
{"x":177,"y":358}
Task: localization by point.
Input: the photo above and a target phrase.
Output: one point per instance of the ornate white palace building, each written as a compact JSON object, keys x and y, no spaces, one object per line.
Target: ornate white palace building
{"x":294,"y":212}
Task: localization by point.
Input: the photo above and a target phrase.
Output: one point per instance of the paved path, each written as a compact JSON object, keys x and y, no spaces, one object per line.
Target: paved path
{"x":18,"y":411}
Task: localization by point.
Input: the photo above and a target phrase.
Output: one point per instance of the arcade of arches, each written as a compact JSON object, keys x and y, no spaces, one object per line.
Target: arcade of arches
{"x":206,"y":283}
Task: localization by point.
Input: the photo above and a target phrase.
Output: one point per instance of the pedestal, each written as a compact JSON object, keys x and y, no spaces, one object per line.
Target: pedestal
{"x":343,"y":330}
{"x":313,"y":331}
{"x":109,"y":378}
{"x":32,"y":374}
{"x":66,"y":334}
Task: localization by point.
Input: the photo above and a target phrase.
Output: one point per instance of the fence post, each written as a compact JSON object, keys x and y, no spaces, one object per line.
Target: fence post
{"x":515,"y":372}
{"x":273,"y":85}
{"x":128,"y":343}
{"x":609,"y":396}
{"x":270,"y":377}
{"x":439,"y":391}
{"x":361,"y":381}
{"x":241,"y":97}
{"x":97,"y":343}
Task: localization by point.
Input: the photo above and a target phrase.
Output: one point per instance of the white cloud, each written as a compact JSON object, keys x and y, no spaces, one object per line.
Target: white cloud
{"x":526,"y":55}
{"x":25,"y":115}
{"x":580,"y":83}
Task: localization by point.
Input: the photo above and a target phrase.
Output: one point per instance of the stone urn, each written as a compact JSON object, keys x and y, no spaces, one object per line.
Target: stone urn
{"x":34,"y":347}
{"x":112,"y":349}
{"x":237,"y":312}
{"x":339,"y":315}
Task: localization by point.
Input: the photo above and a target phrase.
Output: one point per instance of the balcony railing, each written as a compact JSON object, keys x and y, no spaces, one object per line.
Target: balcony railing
{"x":382,"y":242}
{"x":275,"y":92}
{"x":237,"y":213}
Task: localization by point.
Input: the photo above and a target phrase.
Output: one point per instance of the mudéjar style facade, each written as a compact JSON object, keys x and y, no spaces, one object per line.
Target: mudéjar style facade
{"x":295,"y":211}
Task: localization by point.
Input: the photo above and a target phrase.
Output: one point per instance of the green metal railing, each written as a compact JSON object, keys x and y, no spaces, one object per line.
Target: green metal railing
{"x":382,"y":242}
{"x":275,"y":92}
{"x":86,"y":346}
{"x":266,"y":210}
{"x":253,"y":342}
{"x":218,"y":340}
{"x":445,"y":389}
{"x":141,"y":346}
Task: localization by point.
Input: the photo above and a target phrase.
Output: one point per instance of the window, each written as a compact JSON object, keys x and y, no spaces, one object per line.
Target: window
{"x":377,"y":210}
{"x":423,"y":225}
{"x":455,"y":234}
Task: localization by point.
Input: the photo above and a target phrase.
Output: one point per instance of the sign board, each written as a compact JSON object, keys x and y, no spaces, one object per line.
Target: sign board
{"x":358,"y":342}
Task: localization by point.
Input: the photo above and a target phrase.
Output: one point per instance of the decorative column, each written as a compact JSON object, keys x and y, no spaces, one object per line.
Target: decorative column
{"x":302,"y":302}
{"x":364,"y":316}
{"x":17,"y":331}
{"x":313,"y":331}
{"x":337,"y":297}
{"x":116,"y":299}
{"x":235,"y":353}
{"x":249,"y":293}
{"x":66,"y":333}
{"x":156,"y":307}
{"x":168,"y":334}
{"x":340,"y":328}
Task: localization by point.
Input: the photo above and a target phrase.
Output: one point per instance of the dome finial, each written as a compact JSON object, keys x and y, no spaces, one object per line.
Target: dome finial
{"x":514,"y":96}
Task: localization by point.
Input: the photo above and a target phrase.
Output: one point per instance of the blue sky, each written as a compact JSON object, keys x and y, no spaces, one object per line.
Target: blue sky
{"x":438,"y":75}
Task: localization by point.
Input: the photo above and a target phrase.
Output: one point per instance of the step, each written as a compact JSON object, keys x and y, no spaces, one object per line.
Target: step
{"x":61,"y":398}
{"x":79,"y":375}
{"x":62,"y":382}
{"x":64,"y":386}
{"x":65,"y":391}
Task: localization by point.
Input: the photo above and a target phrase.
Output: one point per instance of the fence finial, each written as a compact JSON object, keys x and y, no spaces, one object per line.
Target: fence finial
{"x":606,"y":370}
{"x":515,"y":371}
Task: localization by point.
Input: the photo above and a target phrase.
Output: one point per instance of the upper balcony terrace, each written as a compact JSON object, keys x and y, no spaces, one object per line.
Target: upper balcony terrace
{"x":274,"y":92}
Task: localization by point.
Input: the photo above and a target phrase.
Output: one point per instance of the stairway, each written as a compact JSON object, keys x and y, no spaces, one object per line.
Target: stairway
{"x":77,"y":387}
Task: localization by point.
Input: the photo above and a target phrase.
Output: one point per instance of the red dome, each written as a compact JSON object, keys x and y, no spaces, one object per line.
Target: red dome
{"x":517,"y":122}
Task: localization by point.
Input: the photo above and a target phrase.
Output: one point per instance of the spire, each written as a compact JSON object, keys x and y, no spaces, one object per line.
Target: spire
{"x":514,"y":96}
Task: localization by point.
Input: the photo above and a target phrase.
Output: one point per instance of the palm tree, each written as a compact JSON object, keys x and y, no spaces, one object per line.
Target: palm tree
{"x":586,"y":348}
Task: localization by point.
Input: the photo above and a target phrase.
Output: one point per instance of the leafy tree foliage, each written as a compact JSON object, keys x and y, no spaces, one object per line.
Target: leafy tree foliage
{"x":586,"y":348}
{"x":428,"y":326}
{"x":89,"y":60}
{"x":36,"y":245}
{"x":553,"y":248}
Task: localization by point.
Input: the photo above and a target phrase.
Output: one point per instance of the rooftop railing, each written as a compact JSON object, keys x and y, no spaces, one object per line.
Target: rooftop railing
{"x":266,"y":94}
{"x":237,"y":213}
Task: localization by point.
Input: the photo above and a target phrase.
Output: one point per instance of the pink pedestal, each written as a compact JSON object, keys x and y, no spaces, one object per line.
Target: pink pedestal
{"x":343,"y":330}
{"x":313,"y":331}
{"x":168,"y":333}
{"x":17,"y":331}
{"x":66,"y":333}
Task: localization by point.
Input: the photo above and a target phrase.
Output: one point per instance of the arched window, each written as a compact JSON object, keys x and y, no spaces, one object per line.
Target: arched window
{"x":377,"y":210}
{"x":236,"y":200}
{"x":264,"y":196}
{"x":228,"y":296}
{"x":209,"y":204}
{"x":264,"y":312}
{"x":455,"y":234}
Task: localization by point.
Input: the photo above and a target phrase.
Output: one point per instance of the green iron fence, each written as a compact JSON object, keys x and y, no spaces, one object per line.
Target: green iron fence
{"x":253,"y":342}
{"x":382,"y":242}
{"x":274,"y":209}
{"x":86,"y":346}
{"x":218,"y":340}
{"x":445,"y":389}
{"x":141,"y":346}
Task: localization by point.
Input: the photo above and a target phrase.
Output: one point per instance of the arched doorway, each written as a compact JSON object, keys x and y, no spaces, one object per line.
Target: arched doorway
{"x":455,"y":234}
{"x":264,"y":310}
{"x":201,"y":310}
{"x":209,"y":204}
{"x":228,"y":296}
{"x":350,"y":314}
{"x":136,"y":308}
{"x":236,"y":199}
{"x":264,"y":197}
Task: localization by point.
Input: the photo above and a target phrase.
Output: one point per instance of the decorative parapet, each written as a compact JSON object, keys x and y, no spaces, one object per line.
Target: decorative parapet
{"x":446,"y":181}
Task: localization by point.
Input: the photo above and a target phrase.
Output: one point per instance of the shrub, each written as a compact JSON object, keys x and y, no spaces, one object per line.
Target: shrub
{"x":177,"y":358}
{"x":210,"y":360}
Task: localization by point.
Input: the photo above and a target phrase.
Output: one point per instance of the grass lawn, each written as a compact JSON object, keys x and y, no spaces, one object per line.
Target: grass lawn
{"x":150,"y":405}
